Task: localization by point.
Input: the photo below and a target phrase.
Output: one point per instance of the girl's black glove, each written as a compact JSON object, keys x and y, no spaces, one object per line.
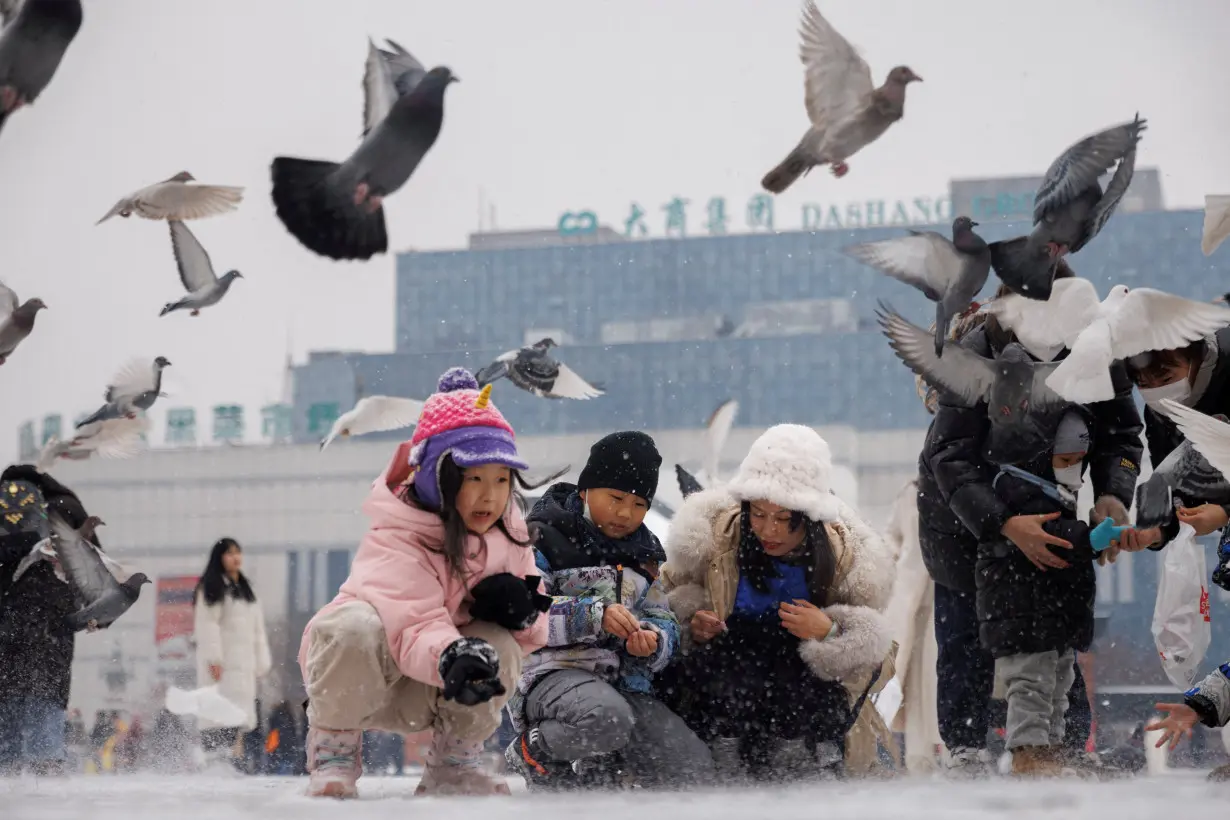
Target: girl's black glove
{"x":508,"y":601}
{"x":470,"y":668}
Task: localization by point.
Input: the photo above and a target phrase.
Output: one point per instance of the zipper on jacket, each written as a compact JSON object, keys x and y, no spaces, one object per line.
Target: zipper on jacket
{"x":619,"y":584}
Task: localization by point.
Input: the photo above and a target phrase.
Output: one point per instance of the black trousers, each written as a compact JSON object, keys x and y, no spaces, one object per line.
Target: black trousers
{"x":965,"y":672}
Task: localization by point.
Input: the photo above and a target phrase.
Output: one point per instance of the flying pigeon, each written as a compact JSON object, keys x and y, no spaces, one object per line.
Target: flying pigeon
{"x":32,"y":45}
{"x":336,"y":210}
{"x":1020,"y":406}
{"x":1210,"y":435}
{"x":1216,"y":222}
{"x":136,"y":387}
{"x":1070,"y":208}
{"x":387,"y":76}
{"x":948,"y":273}
{"x":374,"y":414}
{"x":101,"y":597}
{"x":113,"y":438}
{"x":1126,"y":323}
{"x":534,"y":370}
{"x":717,"y":429}
{"x":1037,"y":324}
{"x":44,"y":551}
{"x":174,"y":198}
{"x":16,"y":320}
{"x":196,"y":273}
{"x":1185,"y":473}
{"x":846,"y":111}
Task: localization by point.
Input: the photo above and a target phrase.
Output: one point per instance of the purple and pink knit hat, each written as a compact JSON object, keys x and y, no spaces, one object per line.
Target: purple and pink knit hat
{"x":459,"y":420}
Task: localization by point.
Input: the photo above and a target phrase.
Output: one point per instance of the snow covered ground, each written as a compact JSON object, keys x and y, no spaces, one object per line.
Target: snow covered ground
{"x":213,"y":797}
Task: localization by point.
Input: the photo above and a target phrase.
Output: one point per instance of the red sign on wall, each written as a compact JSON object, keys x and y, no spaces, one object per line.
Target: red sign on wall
{"x":173,"y":625}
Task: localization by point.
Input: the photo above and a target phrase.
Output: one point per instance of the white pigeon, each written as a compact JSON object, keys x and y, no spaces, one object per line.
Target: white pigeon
{"x":113,"y":438}
{"x":1210,"y":436}
{"x":196,"y":273}
{"x":717,"y":430}
{"x":1216,"y":222}
{"x":174,"y":198}
{"x":1040,"y":325}
{"x":1126,"y":323}
{"x":374,"y":414}
{"x":387,"y":75}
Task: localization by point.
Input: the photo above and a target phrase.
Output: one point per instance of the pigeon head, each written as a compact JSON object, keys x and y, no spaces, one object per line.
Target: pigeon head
{"x":438,"y":79}
{"x":232,"y":274}
{"x":962,"y":224}
{"x":33,"y":306}
{"x":161,"y":362}
{"x":545,"y":345}
{"x":903,"y":75}
{"x":134,"y":583}
{"x":182,"y":176}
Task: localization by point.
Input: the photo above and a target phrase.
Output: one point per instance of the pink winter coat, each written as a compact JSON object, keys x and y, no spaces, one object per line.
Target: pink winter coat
{"x":400,"y":570}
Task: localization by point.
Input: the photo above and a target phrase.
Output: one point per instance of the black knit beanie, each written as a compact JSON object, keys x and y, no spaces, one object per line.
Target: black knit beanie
{"x":627,"y":462}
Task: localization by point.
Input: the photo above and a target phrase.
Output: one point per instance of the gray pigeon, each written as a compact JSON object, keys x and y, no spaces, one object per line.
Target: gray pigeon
{"x":31,"y":48}
{"x":44,"y":551}
{"x":534,"y":370}
{"x":950,"y":274}
{"x":1021,"y":408}
{"x":101,"y":599}
{"x":1184,"y":473}
{"x":688,"y":483}
{"x":1070,"y":208}
{"x":336,"y":210}
{"x":8,"y":11}
{"x":196,"y":273}
{"x":16,"y":320}
{"x":846,"y":111}
{"x":387,"y":76}
{"x":136,"y":387}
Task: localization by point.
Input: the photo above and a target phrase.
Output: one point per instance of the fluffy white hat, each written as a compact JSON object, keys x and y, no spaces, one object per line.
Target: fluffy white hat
{"x":789,"y":465}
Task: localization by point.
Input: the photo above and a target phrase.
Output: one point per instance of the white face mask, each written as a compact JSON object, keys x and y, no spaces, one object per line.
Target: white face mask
{"x":1070,"y":477}
{"x":1179,"y":391}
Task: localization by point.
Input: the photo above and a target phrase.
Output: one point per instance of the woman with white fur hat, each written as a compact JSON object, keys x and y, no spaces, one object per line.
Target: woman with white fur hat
{"x":779,"y":589}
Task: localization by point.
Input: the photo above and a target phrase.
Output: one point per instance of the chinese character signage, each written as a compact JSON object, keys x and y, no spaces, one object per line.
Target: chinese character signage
{"x":228,"y":423}
{"x":52,"y":428}
{"x":181,"y":426}
{"x":27,"y":448}
{"x":321,"y":417}
{"x":275,"y":422}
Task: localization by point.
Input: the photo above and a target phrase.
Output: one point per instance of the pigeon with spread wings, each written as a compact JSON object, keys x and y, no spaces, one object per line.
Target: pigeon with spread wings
{"x":1208,"y":434}
{"x":1216,"y":222}
{"x":196,"y":273}
{"x":174,"y":198}
{"x":534,"y":370}
{"x":387,"y":76}
{"x":136,"y":387}
{"x":113,"y":438}
{"x":373,"y":414}
{"x":101,"y":597}
{"x":16,"y":320}
{"x":717,"y":430}
{"x":1184,"y":473}
{"x":34,"y":41}
{"x":1040,"y":325}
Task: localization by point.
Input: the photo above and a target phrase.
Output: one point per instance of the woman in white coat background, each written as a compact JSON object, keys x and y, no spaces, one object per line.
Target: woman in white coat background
{"x":232,"y":649}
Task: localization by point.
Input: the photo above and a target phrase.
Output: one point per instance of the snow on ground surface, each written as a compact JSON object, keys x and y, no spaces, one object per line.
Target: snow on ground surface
{"x":221,"y":797}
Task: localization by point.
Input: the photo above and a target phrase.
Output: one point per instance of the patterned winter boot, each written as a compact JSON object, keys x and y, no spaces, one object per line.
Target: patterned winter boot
{"x":965,"y":763}
{"x":1036,"y":762}
{"x":527,"y":756}
{"x":334,"y":762}
{"x":455,"y":767}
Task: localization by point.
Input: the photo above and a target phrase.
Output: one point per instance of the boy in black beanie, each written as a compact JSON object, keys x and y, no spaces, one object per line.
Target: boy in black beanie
{"x":584,"y":704}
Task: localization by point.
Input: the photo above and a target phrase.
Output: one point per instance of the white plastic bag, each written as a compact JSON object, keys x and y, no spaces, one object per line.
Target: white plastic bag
{"x":207,"y":703}
{"x":1181,"y":627}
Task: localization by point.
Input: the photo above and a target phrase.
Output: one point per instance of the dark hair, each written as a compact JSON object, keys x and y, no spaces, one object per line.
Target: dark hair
{"x":455,"y":532}
{"x":213,"y":585}
{"x":1154,"y":363}
{"x":757,"y":565}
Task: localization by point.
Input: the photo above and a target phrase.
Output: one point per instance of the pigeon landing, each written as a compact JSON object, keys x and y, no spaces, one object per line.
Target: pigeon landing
{"x":136,"y":387}
{"x":1216,"y":223}
{"x":16,"y":320}
{"x":113,"y":438}
{"x":101,"y":598}
{"x":388,"y":76}
{"x":534,"y":370}
{"x":196,"y":273}
{"x":336,"y":210}
{"x":174,"y":198}
{"x":375,"y":414}
{"x":951,"y":274}
{"x":31,"y":48}
{"x":846,"y":111}
{"x":1184,"y":473}
{"x":1070,"y":208}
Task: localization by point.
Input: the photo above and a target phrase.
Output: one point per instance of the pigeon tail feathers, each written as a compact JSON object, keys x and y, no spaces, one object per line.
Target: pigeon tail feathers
{"x":1025,"y":268}
{"x":170,"y":306}
{"x":942,"y":321}
{"x":785,"y":174}
{"x":322,"y":215}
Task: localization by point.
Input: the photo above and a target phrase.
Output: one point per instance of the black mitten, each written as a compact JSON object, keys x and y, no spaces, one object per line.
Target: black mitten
{"x":470,"y":668}
{"x":508,"y":601}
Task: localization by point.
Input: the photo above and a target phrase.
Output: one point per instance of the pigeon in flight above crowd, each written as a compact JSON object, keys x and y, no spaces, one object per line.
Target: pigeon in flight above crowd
{"x":45,"y":551}
{"x":175,"y":199}
{"x":951,"y":274}
{"x":1038,"y":325}
{"x":1184,"y":473}
{"x":846,"y":111}
{"x":113,"y":438}
{"x":717,"y":430}
{"x":32,"y":44}
{"x":1070,"y":208}
{"x":196,"y":272}
{"x":16,"y":320}
{"x":374,"y":414}
{"x":1210,"y":435}
{"x":1216,"y":222}
{"x":101,"y":598}
{"x":136,"y":387}
{"x":336,"y":210}
{"x":533,"y":369}
{"x":389,"y":75}
{"x":1126,"y":323}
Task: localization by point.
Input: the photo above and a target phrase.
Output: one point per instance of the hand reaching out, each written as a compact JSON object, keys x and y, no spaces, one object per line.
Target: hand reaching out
{"x":1177,"y":724}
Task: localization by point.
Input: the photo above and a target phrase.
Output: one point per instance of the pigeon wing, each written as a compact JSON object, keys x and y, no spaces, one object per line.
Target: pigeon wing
{"x":837,"y":81}
{"x":1118,"y":186}
{"x":925,"y":260}
{"x":716,"y":432}
{"x":568,"y":385}
{"x":179,"y":200}
{"x":403,"y":68}
{"x":1041,"y":396}
{"x":492,"y":372}
{"x":1209,"y":436}
{"x":1149,"y":319}
{"x":120,"y":438}
{"x":687,"y":482}
{"x":958,"y":371}
{"x":133,"y":379}
{"x":377,"y":413}
{"x":8,"y":301}
{"x":1216,"y":222}
{"x":378,"y":90}
{"x":1057,"y":321}
{"x":1083,"y":164}
{"x":196,"y":271}
{"x":84,"y":568}
{"x":8,"y":10}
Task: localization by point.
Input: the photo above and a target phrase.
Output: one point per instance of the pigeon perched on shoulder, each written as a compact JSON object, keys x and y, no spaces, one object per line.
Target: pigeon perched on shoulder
{"x":1126,"y":323}
{"x":32,"y":45}
{"x":174,"y":198}
{"x":846,"y":111}
{"x":1216,"y":222}
{"x":374,"y":414}
{"x":387,"y":76}
{"x":101,"y":597}
{"x":948,"y":273}
{"x":1070,"y":208}
{"x":1184,"y":473}
{"x":16,"y":320}
{"x":136,"y":387}
{"x":534,"y":370}
{"x":113,"y":438}
{"x":1209,"y":435}
{"x":196,"y":272}
{"x":336,"y":210}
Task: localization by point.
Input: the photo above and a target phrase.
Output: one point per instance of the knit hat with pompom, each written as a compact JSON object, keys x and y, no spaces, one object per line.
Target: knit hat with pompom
{"x":459,"y":420}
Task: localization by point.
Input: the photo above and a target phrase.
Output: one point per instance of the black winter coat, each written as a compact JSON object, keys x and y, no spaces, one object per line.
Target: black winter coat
{"x":1021,"y":608}
{"x":36,"y":646}
{"x":955,"y":478}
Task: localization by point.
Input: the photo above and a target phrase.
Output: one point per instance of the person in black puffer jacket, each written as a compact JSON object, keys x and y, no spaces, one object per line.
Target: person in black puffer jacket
{"x":36,"y":645}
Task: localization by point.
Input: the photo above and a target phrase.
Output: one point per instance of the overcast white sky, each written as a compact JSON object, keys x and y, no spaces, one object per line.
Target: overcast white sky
{"x":563,"y":104}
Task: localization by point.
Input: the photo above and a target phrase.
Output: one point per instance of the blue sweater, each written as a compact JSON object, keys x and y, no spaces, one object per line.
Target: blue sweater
{"x":790,"y":584}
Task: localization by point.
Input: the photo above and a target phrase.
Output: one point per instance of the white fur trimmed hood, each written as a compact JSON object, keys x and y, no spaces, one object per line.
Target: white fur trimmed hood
{"x":791,"y":466}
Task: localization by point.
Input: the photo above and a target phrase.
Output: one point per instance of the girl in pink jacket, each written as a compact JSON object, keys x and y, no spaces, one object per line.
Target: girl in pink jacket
{"x":441,"y":604}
